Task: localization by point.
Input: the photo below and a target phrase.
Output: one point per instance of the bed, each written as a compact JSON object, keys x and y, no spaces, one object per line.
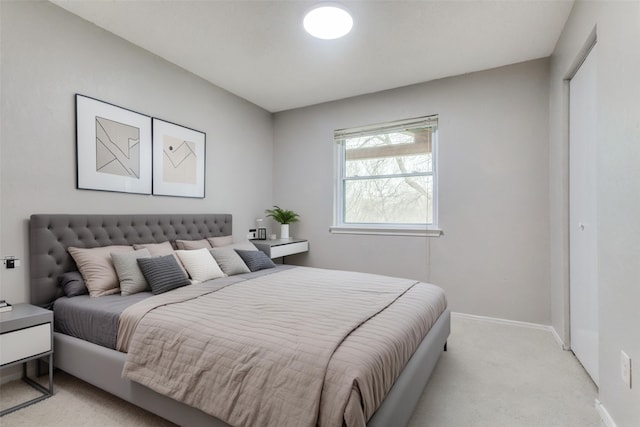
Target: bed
{"x":51,"y":235}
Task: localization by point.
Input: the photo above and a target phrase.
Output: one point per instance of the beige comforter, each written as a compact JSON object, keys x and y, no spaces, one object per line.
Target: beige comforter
{"x":298,"y":347}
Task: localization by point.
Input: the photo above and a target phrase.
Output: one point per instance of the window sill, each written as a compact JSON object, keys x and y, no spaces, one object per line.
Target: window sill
{"x":387,"y":231}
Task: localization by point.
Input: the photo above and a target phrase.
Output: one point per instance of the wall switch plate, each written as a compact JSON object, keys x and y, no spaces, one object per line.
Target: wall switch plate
{"x":625,"y":368}
{"x":11,"y":262}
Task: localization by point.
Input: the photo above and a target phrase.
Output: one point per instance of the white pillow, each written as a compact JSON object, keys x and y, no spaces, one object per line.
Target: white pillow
{"x":200,"y":264}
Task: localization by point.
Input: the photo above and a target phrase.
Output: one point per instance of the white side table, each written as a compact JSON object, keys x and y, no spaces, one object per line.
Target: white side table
{"x":26,"y":333}
{"x":281,"y":247}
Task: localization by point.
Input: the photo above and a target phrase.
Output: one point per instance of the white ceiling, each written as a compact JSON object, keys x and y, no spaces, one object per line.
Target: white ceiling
{"x":259,"y":51}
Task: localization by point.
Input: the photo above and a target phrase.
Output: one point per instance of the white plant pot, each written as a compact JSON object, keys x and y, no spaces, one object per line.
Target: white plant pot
{"x":284,"y":231}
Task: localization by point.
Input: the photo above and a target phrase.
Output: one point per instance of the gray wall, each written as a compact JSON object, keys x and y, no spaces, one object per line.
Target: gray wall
{"x":618,"y":190}
{"x":493,"y":189}
{"x":48,"y":55}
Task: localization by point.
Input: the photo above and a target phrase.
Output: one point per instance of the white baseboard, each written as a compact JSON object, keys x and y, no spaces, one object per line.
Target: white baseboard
{"x":604,"y":414}
{"x":529,"y":325}
{"x":501,"y":321}
{"x":558,"y":339}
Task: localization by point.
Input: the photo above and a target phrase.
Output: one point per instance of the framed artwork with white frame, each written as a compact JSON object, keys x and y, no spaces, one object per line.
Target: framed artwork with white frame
{"x":178,"y":160}
{"x":113,"y":147}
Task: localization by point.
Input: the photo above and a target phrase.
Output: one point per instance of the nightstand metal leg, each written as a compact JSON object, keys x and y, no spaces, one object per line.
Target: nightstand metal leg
{"x":46,"y":392}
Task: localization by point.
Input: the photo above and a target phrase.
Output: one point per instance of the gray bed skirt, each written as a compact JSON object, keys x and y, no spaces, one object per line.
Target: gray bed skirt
{"x":102,"y":367}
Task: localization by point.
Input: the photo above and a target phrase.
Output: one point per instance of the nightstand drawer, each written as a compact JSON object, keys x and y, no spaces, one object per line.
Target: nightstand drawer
{"x":288,"y":249}
{"x":25,"y":343}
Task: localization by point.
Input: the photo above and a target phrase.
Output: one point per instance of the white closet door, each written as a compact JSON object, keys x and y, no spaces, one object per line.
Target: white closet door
{"x":583,"y":254}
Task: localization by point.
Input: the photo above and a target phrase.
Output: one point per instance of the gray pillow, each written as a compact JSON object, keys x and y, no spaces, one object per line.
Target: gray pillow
{"x":131,"y":278}
{"x":245,"y":245}
{"x":96,"y":267}
{"x":163,"y":273}
{"x":255,"y":260}
{"x":155,"y":249}
{"x":190,"y":245}
{"x":219,"y":241}
{"x":72,"y":284}
{"x":229,"y":261}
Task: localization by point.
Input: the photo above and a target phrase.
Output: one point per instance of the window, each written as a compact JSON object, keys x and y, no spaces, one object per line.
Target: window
{"x":386,"y":178}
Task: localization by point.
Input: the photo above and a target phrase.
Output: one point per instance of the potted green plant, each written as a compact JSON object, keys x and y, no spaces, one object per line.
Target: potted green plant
{"x":284,"y":217}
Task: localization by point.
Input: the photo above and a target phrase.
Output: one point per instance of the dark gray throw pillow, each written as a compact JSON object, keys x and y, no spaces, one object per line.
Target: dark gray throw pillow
{"x":255,"y":260}
{"x":72,"y":284}
{"x":163,"y":273}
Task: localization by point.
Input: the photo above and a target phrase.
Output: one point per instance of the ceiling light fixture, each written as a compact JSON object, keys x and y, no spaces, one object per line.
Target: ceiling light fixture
{"x":328,"y":21}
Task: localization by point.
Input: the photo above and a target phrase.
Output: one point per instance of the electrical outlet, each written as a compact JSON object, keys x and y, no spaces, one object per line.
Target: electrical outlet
{"x":625,"y":368}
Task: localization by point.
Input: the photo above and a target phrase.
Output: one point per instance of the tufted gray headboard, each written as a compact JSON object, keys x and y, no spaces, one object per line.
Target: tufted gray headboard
{"x":51,"y":235}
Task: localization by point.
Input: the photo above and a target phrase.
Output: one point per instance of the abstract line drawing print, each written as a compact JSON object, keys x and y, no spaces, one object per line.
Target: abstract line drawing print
{"x":180,"y":162}
{"x":117,"y":148}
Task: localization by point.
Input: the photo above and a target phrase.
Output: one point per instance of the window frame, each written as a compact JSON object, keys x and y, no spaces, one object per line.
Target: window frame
{"x":339,"y":225}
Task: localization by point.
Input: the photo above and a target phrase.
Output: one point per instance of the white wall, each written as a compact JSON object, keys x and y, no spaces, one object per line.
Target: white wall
{"x":618,"y":190}
{"x":493,"y":189}
{"x":48,"y":55}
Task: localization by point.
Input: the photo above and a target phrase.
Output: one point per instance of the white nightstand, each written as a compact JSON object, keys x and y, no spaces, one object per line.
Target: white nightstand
{"x":281,"y":247}
{"x":26,"y":333}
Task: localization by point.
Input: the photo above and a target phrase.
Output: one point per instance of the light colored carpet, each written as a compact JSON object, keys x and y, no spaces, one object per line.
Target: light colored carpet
{"x":74,"y":404}
{"x":492,"y":375}
{"x":499,"y":375}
